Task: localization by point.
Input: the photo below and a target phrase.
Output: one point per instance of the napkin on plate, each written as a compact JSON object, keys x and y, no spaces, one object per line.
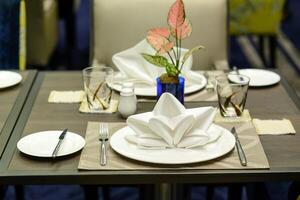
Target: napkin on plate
{"x":170,"y":125}
{"x":136,"y":69}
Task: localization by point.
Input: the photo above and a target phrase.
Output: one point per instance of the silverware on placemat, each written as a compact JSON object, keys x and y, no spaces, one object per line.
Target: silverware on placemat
{"x":104,"y":135}
{"x":239,"y":148}
{"x":60,"y":139}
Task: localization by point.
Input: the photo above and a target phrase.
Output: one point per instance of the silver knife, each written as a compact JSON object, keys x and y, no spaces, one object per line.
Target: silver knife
{"x":61,"y":138}
{"x":242,"y":156}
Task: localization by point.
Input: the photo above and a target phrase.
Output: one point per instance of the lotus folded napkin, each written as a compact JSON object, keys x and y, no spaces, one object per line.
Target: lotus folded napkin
{"x":273,"y":127}
{"x":170,"y":125}
{"x":134,"y":68}
{"x":66,"y":96}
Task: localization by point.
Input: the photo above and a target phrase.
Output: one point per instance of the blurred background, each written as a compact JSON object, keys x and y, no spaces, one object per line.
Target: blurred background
{"x":56,"y":36}
{"x":262,"y":33}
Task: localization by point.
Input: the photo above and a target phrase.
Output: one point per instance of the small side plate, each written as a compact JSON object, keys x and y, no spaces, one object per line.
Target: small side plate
{"x":42,"y":144}
{"x":8,"y":79}
{"x":260,"y":77}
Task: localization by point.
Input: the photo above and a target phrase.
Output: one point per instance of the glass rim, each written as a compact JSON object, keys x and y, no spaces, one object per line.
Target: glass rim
{"x":104,"y":68}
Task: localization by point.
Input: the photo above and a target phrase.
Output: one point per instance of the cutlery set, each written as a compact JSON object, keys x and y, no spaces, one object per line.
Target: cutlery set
{"x":104,"y":138}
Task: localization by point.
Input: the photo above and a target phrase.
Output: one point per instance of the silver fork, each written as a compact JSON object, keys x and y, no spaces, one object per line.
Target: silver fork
{"x":104,"y":135}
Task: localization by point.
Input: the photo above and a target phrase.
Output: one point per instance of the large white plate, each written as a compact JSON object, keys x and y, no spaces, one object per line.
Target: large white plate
{"x":42,"y":144}
{"x":260,"y":77}
{"x":150,"y":91}
{"x":8,"y":79}
{"x":175,"y":155}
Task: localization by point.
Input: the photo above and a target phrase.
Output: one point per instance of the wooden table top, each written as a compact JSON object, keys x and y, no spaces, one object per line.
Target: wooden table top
{"x":11,"y":102}
{"x":275,"y":102}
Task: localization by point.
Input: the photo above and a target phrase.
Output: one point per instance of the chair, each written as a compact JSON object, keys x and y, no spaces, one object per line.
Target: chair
{"x":260,"y":18}
{"x":117,"y":25}
{"x":42,"y":31}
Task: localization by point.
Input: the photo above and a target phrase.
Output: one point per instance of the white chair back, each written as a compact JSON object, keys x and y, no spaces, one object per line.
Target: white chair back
{"x":118,"y":25}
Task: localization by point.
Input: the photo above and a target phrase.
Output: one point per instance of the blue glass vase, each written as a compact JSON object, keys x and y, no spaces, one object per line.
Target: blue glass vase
{"x":177,"y":89}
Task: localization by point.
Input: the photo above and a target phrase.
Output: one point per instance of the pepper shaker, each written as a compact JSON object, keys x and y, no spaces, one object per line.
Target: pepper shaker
{"x":128,"y":101}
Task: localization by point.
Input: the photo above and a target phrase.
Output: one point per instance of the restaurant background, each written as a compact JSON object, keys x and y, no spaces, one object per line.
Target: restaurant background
{"x":57,"y":38}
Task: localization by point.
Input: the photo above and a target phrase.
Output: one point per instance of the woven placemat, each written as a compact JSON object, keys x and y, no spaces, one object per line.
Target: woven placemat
{"x":90,"y":155}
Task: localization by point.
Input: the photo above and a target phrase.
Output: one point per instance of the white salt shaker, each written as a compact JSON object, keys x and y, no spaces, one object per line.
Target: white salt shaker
{"x":128,"y":101}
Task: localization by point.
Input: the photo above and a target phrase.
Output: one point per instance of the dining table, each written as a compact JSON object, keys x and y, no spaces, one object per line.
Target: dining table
{"x":12,"y":100}
{"x":37,"y":114}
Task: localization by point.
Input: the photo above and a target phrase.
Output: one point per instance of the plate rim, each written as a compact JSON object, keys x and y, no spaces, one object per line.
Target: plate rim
{"x":18,"y":75}
{"x":172,"y":163}
{"x":49,"y":156}
{"x":116,"y":87}
{"x":264,"y":70}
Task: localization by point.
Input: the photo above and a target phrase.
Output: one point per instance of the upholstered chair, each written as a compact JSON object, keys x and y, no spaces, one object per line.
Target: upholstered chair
{"x":118,"y":25}
{"x":260,"y":18}
{"x":42,"y":30}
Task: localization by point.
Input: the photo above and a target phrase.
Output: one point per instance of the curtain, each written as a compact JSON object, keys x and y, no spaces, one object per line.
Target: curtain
{"x":9,"y":34}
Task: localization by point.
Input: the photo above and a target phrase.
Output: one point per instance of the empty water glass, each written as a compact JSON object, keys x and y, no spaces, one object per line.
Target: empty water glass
{"x":232,"y":94}
{"x":96,"y":85}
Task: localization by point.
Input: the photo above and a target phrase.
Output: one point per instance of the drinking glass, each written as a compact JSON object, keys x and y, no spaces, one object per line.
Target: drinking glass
{"x":96,"y":82}
{"x":232,"y":94}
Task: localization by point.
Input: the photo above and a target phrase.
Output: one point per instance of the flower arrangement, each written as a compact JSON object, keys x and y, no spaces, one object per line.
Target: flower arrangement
{"x":167,"y":43}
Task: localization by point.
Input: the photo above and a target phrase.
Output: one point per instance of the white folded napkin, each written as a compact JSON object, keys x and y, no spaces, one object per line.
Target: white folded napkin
{"x":170,"y":125}
{"x":135,"y":68}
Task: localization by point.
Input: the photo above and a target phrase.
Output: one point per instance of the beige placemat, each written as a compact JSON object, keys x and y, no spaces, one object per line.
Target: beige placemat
{"x":273,"y":127}
{"x":244,"y":118}
{"x":90,"y":155}
{"x":66,"y":96}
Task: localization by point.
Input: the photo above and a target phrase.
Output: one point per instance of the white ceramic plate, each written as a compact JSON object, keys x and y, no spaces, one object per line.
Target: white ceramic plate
{"x":211,"y":151}
{"x":42,"y":144}
{"x":150,"y":91}
{"x":260,"y":77}
{"x":8,"y":79}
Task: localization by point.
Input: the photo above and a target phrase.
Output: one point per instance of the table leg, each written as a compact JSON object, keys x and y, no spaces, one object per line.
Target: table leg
{"x":91,"y":192}
{"x":235,"y":191}
{"x":146,"y":192}
{"x":20,"y":192}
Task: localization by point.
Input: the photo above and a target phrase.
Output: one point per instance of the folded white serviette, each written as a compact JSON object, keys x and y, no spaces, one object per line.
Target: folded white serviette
{"x":273,"y":127}
{"x":170,"y":125}
{"x":135,"y":68}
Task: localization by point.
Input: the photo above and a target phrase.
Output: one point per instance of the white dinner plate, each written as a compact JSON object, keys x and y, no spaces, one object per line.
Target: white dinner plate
{"x":150,"y":91}
{"x":8,"y":79}
{"x":260,"y":77}
{"x":42,"y":144}
{"x":223,"y":145}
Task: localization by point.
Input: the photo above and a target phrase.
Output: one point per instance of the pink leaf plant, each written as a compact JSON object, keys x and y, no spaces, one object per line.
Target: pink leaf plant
{"x":161,"y":40}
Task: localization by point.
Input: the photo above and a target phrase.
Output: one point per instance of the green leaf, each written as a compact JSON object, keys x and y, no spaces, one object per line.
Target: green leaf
{"x":157,"y":60}
{"x":161,"y":61}
{"x":191,"y":51}
{"x":172,"y":70}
